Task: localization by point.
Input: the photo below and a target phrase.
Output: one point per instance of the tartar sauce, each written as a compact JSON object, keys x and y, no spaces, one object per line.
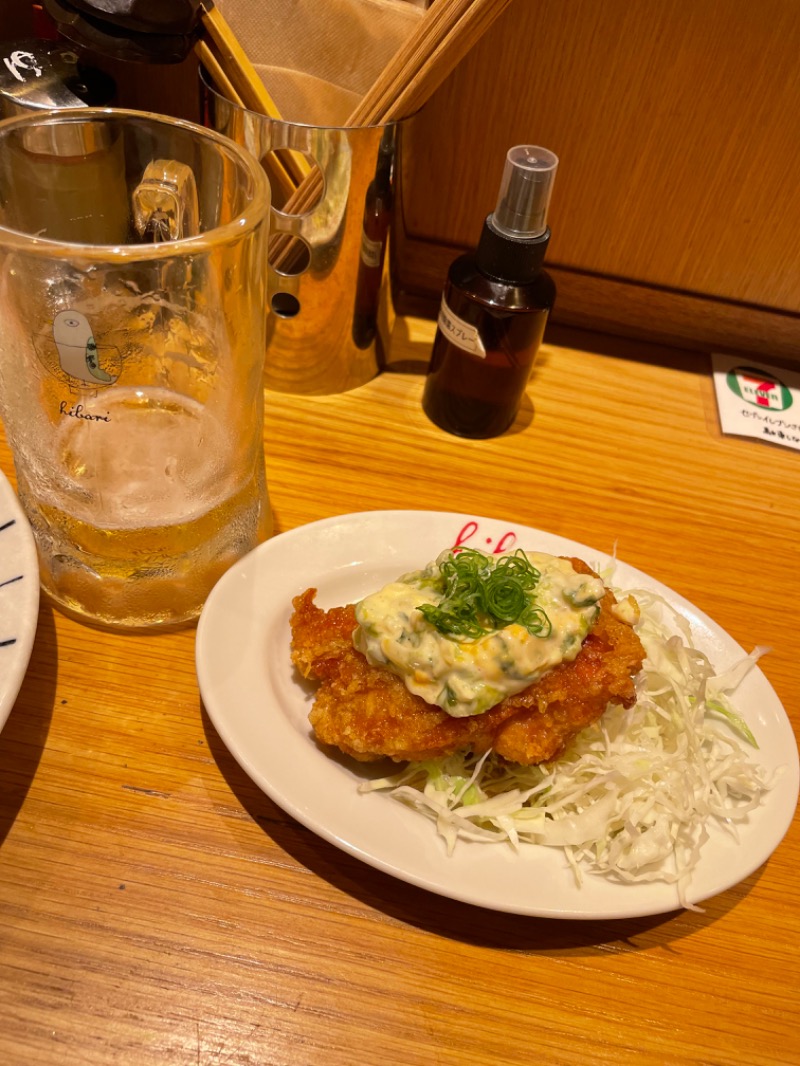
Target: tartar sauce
{"x":468,"y":676}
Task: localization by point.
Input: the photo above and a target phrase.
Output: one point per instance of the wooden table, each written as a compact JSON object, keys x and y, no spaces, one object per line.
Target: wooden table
{"x":157,"y":908}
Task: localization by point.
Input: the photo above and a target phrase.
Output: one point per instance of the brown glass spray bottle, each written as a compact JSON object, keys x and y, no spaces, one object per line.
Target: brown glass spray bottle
{"x":495,"y":306}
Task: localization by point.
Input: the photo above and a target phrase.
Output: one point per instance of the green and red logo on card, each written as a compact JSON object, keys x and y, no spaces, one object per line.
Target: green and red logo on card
{"x":759,"y":388}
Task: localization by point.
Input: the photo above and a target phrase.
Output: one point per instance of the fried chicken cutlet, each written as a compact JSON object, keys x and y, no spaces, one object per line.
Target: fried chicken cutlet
{"x":368,"y":713}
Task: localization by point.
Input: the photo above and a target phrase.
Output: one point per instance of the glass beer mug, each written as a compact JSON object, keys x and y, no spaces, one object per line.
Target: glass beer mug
{"x":132,"y":296}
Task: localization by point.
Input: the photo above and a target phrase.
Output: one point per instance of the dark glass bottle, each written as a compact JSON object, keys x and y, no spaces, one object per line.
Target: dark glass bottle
{"x":476,"y":395}
{"x":494,"y":308}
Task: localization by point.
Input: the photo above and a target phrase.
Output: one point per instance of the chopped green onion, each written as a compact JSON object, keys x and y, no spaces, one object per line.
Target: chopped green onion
{"x":482,"y":594}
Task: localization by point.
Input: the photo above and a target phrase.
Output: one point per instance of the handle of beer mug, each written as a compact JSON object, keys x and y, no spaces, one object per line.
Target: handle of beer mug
{"x":165,"y":204}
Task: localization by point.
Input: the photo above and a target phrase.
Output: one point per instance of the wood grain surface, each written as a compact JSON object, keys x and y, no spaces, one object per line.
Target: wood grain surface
{"x":676,"y":126}
{"x":156,"y":909}
{"x":674,"y":214}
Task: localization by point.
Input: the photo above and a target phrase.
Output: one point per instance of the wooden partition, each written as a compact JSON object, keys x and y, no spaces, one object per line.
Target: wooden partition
{"x":676,"y":211}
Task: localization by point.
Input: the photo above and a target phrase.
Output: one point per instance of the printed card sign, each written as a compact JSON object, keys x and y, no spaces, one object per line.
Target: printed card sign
{"x":756,"y":400}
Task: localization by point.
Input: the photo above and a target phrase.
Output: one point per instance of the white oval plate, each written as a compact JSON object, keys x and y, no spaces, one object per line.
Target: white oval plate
{"x":260,"y":706}
{"x":19,"y":596}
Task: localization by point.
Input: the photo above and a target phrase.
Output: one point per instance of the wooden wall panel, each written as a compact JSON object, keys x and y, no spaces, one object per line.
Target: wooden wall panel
{"x":678,"y":129}
{"x":676,"y":213}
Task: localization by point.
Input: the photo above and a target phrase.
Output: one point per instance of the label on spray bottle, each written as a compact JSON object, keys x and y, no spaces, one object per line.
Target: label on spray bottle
{"x":460,"y":333}
{"x":370,"y":251}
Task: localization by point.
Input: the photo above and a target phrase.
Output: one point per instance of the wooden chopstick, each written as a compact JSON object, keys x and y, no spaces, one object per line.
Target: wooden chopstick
{"x":444,"y":35}
{"x":225,"y":59}
{"x":280,"y":178}
{"x":232,"y":58}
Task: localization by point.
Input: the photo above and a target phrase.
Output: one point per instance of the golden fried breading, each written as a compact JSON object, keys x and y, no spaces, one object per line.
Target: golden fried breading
{"x":368,"y":713}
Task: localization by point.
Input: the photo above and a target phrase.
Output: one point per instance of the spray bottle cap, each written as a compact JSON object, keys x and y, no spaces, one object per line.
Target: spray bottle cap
{"x":524,"y":195}
{"x":514,"y":238}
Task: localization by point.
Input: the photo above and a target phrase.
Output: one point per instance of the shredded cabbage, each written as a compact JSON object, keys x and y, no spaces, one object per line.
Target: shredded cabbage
{"x":634,"y":796}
